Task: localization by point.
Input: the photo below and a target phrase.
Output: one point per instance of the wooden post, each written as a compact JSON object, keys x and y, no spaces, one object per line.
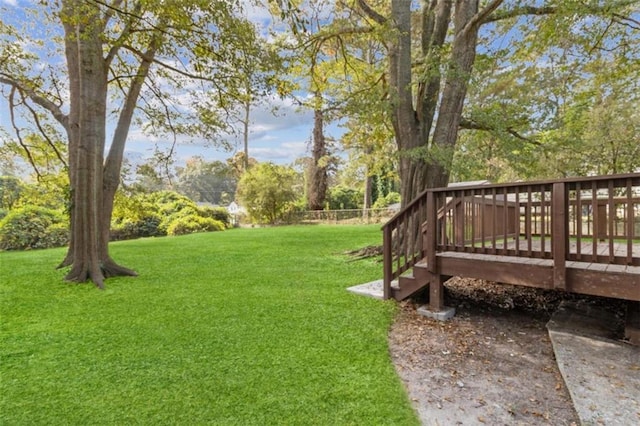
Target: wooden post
{"x":559,"y":234}
{"x":387,"y":258}
{"x":436,"y":293}
{"x":436,"y":290}
{"x":432,"y":231}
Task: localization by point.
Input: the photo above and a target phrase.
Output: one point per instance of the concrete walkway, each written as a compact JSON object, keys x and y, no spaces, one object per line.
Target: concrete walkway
{"x":601,"y":373}
{"x":370,"y":289}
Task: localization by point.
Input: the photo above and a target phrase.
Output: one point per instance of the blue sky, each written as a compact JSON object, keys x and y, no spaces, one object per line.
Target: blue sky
{"x":279,"y":137}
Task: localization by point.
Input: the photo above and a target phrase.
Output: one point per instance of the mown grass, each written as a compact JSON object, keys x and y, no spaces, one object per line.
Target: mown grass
{"x":244,"y":327}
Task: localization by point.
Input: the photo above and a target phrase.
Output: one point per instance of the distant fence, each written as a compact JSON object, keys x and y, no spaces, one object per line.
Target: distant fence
{"x":348,"y":216}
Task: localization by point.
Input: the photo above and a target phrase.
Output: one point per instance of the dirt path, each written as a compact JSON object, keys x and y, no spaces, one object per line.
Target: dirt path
{"x":485,"y":366}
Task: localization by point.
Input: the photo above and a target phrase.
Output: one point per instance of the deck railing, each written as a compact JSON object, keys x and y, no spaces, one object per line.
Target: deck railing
{"x":594,"y":219}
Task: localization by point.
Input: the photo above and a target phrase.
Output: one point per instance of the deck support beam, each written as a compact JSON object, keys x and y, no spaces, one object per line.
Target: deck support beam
{"x":436,"y":292}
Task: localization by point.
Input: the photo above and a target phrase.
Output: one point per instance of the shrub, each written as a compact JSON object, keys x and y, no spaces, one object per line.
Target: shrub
{"x":169,"y":202}
{"x":217,"y":213}
{"x":342,"y":197}
{"x":151,"y":215}
{"x":387,"y":200}
{"x":169,"y":218}
{"x":33,"y":227}
{"x":194,"y":223}
{"x":147,"y":226}
{"x":57,"y":235}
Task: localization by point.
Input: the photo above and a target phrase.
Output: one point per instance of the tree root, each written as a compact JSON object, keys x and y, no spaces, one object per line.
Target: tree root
{"x":112,"y":269}
{"x":67,"y":261}
{"x":98,"y":273}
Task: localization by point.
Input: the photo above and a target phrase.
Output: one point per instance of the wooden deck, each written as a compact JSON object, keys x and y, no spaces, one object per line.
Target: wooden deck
{"x":577,"y":235}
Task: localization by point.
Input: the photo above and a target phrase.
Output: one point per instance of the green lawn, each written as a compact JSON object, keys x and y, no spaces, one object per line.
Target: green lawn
{"x":243,"y":327}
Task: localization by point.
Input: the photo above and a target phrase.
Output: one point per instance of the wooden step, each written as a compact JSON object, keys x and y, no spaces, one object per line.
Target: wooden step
{"x":420,"y":270}
{"x":408,"y":285}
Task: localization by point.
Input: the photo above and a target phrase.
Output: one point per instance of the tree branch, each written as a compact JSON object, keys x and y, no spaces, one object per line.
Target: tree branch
{"x":110,"y":12}
{"x":188,"y":74}
{"x":36,"y":120}
{"x":12,"y":106}
{"x":371,"y":13}
{"x":627,"y":21}
{"x":121,"y":39}
{"x":113,"y":161}
{"x":479,"y":18}
{"x":595,"y":45}
{"x":468,"y":124}
{"x":550,"y":10}
{"x":519,"y":11}
{"x":39,"y":100}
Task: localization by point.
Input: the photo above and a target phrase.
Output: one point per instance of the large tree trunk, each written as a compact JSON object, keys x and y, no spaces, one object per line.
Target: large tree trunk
{"x":317,"y":184}
{"x":463,"y":53}
{"x":88,"y":250}
{"x":426,"y":150}
{"x":406,"y":126}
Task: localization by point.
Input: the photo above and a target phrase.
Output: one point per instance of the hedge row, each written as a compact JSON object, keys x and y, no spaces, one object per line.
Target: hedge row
{"x":157,"y":214}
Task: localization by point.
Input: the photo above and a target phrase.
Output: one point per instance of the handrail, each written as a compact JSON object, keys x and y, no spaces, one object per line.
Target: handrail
{"x":580,"y":219}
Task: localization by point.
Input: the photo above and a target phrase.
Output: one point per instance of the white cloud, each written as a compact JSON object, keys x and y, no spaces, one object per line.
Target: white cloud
{"x":284,"y":153}
{"x":278,"y":114}
{"x":13,"y":3}
{"x":256,"y":13}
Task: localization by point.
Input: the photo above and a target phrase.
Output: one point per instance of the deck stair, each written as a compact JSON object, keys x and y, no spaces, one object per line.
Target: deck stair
{"x":415,"y":280}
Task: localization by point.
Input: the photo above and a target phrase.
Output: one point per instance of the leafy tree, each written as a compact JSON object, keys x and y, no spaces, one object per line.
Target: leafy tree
{"x":313,"y":71}
{"x":359,"y":90}
{"x":11,"y":188}
{"x":435,"y":50}
{"x":238,"y":164}
{"x":534,"y":109}
{"x":45,"y":155}
{"x":155,"y":174}
{"x":140,"y":53}
{"x":342,"y":197}
{"x":319,"y":164}
{"x":266,"y":190}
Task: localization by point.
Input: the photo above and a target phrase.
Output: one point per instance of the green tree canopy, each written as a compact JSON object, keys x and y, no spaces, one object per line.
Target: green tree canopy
{"x":168,"y":65}
{"x":267,"y":190}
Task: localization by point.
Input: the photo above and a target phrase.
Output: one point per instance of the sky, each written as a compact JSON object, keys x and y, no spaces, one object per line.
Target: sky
{"x":279,"y":137}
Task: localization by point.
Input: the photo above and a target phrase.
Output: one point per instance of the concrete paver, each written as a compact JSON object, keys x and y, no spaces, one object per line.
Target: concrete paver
{"x":602,"y":374}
